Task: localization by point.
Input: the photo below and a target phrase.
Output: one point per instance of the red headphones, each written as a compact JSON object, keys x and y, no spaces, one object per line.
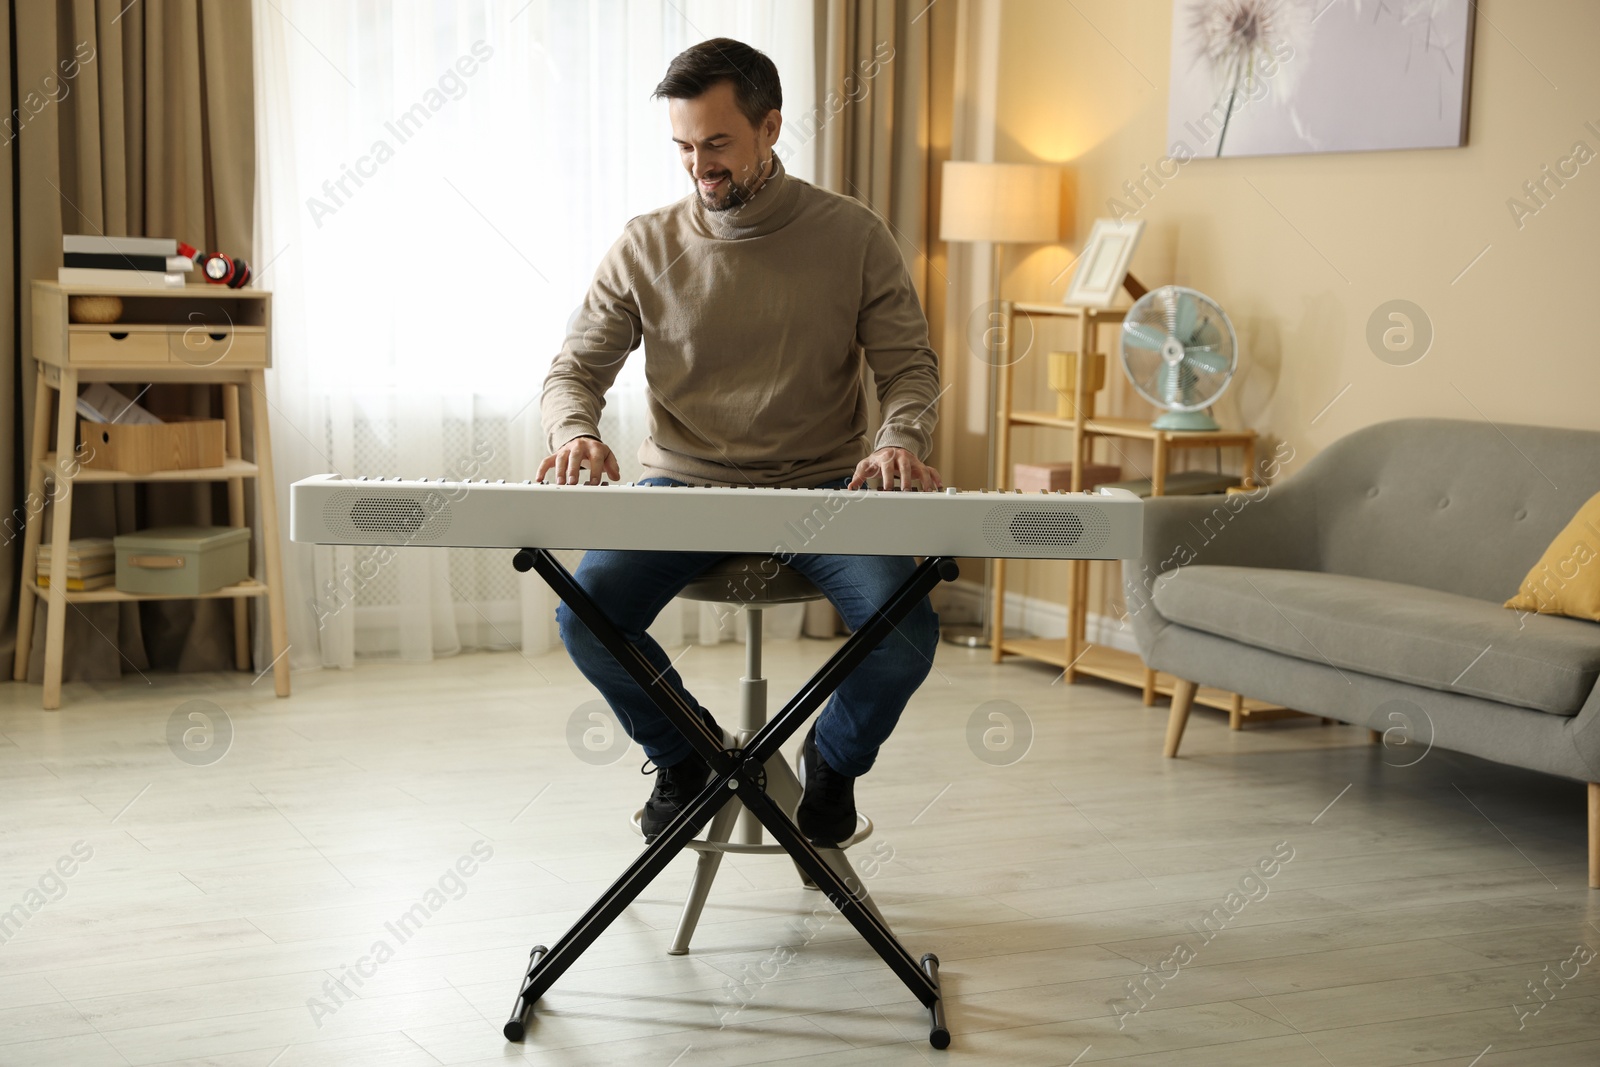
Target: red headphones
{"x":218,"y":268}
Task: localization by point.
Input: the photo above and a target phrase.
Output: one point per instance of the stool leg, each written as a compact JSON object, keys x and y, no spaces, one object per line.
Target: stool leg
{"x":705,"y":872}
{"x":835,"y":858}
{"x":752,"y":710}
{"x":788,"y":784}
{"x":784,"y":789}
{"x":782,"y":785}
{"x":752,"y":716}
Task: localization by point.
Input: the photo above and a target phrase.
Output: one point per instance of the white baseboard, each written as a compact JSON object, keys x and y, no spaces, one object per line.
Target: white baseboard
{"x":961,"y":602}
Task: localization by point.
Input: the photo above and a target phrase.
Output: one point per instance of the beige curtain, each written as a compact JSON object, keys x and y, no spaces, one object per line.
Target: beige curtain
{"x":886,"y":88}
{"x":882,"y":118}
{"x":125,"y":119}
{"x":884,"y":93}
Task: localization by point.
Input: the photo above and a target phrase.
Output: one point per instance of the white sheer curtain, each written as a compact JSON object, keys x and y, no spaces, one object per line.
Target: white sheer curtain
{"x":436,"y":182}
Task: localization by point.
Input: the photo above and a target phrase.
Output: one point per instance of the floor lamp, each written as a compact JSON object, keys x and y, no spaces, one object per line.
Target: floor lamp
{"x":1000,"y":203}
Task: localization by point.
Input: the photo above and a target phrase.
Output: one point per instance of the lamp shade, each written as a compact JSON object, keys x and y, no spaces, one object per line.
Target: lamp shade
{"x":1009,"y":203}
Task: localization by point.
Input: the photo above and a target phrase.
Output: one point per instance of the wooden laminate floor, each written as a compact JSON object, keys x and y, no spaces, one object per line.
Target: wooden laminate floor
{"x":213,"y":910}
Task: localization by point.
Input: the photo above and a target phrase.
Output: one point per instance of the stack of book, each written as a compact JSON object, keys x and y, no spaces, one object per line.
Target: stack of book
{"x":120,"y":262}
{"x":91,"y":564}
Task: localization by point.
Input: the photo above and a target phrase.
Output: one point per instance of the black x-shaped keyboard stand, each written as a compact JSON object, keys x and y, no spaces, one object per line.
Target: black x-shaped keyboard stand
{"x":735,"y":773}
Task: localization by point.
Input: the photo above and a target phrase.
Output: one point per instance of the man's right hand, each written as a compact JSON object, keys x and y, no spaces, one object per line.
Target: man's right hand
{"x":570,"y":459}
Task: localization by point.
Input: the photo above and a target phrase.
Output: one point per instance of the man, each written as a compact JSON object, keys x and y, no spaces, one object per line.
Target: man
{"x":756,"y":299}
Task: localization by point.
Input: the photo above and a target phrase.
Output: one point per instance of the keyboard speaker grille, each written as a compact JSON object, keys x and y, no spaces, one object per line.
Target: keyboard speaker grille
{"x":391,"y":520}
{"x":1085,"y":530}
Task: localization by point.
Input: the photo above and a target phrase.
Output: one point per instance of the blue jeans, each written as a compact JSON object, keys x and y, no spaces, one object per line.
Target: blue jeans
{"x":632,"y":587}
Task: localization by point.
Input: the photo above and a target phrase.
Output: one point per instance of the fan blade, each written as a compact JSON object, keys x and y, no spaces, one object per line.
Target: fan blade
{"x":1187,"y":312}
{"x":1143,"y":335}
{"x":1208,"y":359}
{"x":1206,"y":334}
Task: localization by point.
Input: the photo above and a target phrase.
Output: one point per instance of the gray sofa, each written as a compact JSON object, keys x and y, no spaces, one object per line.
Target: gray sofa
{"x":1368,"y":588}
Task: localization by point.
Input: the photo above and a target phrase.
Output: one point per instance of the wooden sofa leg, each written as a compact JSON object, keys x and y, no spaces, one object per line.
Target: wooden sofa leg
{"x":1236,"y":712}
{"x":1375,"y":737}
{"x":1183,"y":700}
{"x":1594,"y":835}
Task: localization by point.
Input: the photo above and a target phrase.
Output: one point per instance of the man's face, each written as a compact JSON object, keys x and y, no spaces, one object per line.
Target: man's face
{"x":722,"y":152}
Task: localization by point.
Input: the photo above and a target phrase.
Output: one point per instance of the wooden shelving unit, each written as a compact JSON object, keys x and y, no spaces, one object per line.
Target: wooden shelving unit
{"x":1071,"y":654}
{"x":247,"y":588}
{"x":230,"y":469}
{"x":195,"y":335}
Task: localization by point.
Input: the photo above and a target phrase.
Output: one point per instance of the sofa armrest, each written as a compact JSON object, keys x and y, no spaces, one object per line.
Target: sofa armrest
{"x":1269,"y":527}
{"x":1273,"y":526}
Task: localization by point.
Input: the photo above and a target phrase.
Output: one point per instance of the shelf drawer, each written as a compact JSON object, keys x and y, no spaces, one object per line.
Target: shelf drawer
{"x":239,"y":346}
{"x":116,"y":345}
{"x":120,"y":344}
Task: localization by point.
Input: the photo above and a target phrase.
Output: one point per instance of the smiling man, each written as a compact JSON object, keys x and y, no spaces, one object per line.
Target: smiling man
{"x":758,"y":299}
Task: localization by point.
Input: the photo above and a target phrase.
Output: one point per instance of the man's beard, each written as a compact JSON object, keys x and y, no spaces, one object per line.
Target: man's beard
{"x":737,"y":194}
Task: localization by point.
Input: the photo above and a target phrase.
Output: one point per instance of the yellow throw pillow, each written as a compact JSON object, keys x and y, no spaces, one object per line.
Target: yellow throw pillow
{"x":1566,"y":580}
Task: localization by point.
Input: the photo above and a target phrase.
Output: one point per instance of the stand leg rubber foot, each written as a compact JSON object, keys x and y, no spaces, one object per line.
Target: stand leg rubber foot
{"x":938,"y":1030}
{"x":516,"y":1028}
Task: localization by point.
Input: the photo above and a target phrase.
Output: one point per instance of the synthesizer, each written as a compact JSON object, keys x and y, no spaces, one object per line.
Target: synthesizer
{"x":435,"y":512}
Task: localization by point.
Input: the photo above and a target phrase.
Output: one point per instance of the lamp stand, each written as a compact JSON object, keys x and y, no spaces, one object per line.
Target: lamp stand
{"x":965,"y":634}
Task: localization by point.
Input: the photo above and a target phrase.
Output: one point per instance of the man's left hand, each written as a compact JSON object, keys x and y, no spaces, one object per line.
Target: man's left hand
{"x":891,"y":463}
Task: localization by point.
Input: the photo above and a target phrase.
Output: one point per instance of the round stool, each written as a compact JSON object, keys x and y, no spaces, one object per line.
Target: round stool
{"x":751,"y":582}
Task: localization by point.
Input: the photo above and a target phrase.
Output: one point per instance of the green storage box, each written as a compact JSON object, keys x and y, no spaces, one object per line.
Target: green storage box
{"x":182,"y":560}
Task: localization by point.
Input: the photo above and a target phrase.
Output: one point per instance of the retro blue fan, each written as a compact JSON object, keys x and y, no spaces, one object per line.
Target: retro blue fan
{"x":1179,"y":351}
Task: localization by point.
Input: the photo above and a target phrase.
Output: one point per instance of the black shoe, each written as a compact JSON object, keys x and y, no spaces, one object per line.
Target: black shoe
{"x":827,"y":813}
{"x":675,"y":787}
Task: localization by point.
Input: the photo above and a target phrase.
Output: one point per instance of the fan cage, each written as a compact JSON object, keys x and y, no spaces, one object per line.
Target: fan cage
{"x":1154,"y":310}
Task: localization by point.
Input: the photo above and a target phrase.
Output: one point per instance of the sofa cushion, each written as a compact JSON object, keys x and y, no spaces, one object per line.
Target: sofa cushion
{"x":1401,"y":632}
{"x":1562,"y":582}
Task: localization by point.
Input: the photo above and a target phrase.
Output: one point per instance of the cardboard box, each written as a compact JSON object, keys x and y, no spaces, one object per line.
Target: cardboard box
{"x":182,"y":444}
{"x":182,"y":560}
{"x":1032,"y":477}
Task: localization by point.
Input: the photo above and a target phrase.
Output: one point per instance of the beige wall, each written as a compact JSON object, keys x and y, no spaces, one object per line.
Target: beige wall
{"x":1301,"y":249}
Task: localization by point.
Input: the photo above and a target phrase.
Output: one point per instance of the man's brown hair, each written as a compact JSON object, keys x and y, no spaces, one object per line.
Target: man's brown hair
{"x":755,"y":77}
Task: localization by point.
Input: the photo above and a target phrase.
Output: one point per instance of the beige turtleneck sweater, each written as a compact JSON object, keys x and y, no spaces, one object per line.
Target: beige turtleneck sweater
{"x":754,"y":323}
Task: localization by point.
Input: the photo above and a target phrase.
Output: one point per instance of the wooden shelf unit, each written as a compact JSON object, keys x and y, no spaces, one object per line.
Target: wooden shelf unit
{"x":1071,"y":654}
{"x":194,"y":335}
{"x":231,"y":468}
{"x":247,"y":588}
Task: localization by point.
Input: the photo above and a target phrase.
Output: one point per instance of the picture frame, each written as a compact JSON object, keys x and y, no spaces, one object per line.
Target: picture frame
{"x":1103,"y":263}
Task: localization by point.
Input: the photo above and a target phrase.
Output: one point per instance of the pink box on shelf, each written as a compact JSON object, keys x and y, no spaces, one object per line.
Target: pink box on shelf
{"x":1032,"y":477}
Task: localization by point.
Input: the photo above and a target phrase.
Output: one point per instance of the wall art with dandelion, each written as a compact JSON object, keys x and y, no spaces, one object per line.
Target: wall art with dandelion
{"x":1269,"y":77}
